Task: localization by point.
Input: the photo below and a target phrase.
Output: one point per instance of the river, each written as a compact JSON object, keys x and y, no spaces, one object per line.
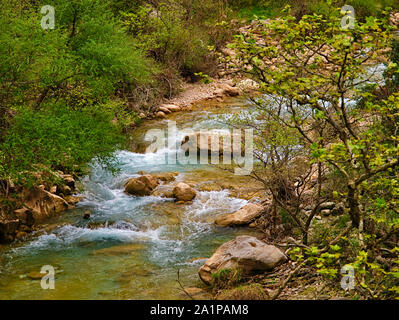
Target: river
{"x":132,"y":247}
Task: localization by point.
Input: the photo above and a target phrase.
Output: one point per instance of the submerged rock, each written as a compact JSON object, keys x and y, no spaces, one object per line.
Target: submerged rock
{"x":118,"y":250}
{"x":245,"y":253}
{"x":171,"y":107}
{"x":36,"y":275}
{"x":142,"y":186}
{"x":160,"y":115}
{"x":243,"y":216}
{"x":183,"y":192}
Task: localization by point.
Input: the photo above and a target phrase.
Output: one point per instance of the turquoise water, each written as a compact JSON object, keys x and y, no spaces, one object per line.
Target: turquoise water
{"x":153,"y":237}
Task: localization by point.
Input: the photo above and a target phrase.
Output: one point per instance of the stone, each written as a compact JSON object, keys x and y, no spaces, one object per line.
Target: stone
{"x":183,"y":192}
{"x":142,"y":186}
{"x":327,"y":205}
{"x":166,"y":177}
{"x":213,"y":143}
{"x":243,"y":216}
{"x":160,"y":114}
{"x":64,"y":190}
{"x":118,"y":250}
{"x":231,"y":91}
{"x":219,"y":93}
{"x":35,"y":275}
{"x":164,"y":110}
{"x":394,"y":19}
{"x":325,"y":212}
{"x":208,"y":187}
{"x":244,"y":253}
{"x":172,"y":107}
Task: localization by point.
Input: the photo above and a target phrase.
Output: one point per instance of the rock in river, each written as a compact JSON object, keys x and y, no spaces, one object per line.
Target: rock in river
{"x":142,"y":186}
{"x":242,"y":217}
{"x":248,"y":254}
{"x":183,"y":192}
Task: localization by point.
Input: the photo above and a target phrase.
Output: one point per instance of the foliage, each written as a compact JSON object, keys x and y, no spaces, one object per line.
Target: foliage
{"x":312,"y":74}
{"x":60,"y":138}
{"x":56,"y":86}
{"x":178,"y":35}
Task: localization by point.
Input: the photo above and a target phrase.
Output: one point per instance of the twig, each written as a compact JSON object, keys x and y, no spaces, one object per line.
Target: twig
{"x":181,"y":285}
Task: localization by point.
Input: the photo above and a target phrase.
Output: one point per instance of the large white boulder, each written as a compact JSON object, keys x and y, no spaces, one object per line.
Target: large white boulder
{"x":245,"y":253}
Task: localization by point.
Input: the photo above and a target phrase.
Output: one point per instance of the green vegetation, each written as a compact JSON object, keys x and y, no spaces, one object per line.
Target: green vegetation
{"x":328,"y":127}
{"x":69,"y":93}
{"x":272,"y":8}
{"x":333,"y":138}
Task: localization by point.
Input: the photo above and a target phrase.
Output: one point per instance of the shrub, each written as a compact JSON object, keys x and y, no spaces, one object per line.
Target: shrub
{"x":59,"y":138}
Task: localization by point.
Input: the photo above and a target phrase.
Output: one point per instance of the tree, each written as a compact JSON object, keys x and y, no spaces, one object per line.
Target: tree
{"x":313,"y":74}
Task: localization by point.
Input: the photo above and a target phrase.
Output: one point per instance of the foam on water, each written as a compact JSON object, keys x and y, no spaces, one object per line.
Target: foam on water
{"x":118,"y":219}
{"x":69,"y":236}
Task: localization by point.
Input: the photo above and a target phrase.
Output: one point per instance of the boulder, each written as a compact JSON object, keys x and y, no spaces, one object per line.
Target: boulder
{"x":394,"y":19}
{"x":213,"y":143}
{"x":142,"y":186}
{"x":245,"y":253}
{"x":36,"y":275}
{"x":164,"y":110}
{"x":160,"y":114}
{"x":125,"y":249}
{"x":231,"y":91}
{"x":171,"y":107}
{"x":183,"y":192}
{"x":327,"y":206}
{"x":166,"y":177}
{"x":219,"y":93}
{"x":44,"y":204}
{"x":243,"y":216}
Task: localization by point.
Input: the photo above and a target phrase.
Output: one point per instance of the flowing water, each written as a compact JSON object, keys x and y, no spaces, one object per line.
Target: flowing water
{"x":132,"y":247}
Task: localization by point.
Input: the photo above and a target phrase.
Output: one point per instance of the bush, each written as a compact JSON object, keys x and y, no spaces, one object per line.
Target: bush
{"x":59,"y":138}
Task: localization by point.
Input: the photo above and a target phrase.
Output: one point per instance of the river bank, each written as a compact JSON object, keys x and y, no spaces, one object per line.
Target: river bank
{"x":131,"y":247}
